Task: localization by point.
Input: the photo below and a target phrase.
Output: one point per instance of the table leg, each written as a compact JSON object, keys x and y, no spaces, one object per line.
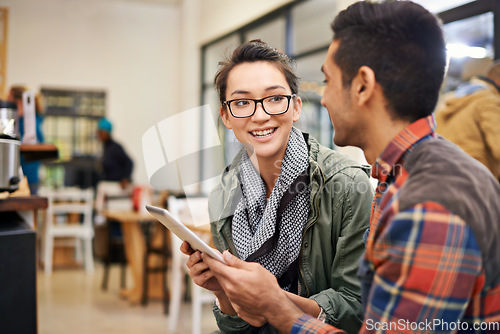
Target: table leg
{"x":134,"y":250}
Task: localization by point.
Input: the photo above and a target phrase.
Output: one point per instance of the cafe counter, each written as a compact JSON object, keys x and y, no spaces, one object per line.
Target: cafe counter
{"x":18,"y":303}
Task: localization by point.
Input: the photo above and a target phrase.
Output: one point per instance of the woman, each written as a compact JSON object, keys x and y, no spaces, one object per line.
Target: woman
{"x":286,"y":202}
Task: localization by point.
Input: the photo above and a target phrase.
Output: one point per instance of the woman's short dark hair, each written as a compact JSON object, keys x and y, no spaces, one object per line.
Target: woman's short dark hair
{"x":403,"y":44}
{"x":253,"y":51}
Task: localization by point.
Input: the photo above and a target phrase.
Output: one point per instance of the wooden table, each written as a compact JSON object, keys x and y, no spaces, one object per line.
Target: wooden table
{"x":135,"y":248}
{"x":26,"y":206}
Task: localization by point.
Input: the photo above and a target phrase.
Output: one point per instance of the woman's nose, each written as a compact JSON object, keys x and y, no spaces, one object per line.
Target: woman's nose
{"x":260,"y":113}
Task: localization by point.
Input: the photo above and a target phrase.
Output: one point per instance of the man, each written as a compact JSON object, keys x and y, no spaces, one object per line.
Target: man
{"x":116,"y":169}
{"x":470,"y":118}
{"x":116,"y":164}
{"x":432,"y":254}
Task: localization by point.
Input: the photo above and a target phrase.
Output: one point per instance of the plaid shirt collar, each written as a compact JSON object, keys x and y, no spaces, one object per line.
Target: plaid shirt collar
{"x":401,"y":144}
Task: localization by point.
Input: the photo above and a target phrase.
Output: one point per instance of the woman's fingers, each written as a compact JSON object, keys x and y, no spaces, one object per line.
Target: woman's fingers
{"x":194,"y":259}
{"x":186,"y":248}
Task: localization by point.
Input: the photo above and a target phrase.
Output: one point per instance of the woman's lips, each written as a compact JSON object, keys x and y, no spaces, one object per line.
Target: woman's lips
{"x":263,"y":133}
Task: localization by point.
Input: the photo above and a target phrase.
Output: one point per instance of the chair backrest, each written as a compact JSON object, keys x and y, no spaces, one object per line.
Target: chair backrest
{"x":190,"y":210}
{"x":70,"y":200}
{"x":118,"y":202}
{"x":111,"y":196}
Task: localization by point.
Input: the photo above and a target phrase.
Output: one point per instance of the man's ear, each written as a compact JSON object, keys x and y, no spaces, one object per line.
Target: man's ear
{"x":363,"y":85}
{"x":296,"y":103}
{"x":225,"y":118}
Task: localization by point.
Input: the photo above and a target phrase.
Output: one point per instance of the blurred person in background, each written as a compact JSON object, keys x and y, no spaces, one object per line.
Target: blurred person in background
{"x":30,"y":169}
{"x":470,"y":118}
{"x":116,"y":164}
{"x":116,"y":168}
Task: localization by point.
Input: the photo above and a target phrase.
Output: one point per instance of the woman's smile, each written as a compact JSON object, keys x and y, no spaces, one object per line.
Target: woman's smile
{"x":260,"y":134}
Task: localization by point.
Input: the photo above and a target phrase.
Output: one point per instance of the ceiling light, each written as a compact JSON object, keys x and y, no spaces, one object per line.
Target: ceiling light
{"x":458,"y":50}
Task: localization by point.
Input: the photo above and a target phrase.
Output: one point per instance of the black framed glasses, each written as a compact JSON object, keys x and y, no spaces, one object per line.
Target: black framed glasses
{"x":272,"y":105}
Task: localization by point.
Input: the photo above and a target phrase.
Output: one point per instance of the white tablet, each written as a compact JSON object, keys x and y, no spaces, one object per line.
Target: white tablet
{"x":180,"y":230}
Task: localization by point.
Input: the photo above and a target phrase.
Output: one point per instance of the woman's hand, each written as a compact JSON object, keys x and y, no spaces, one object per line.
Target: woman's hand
{"x":202,"y":276}
{"x":254,"y":293}
{"x":199,"y":271}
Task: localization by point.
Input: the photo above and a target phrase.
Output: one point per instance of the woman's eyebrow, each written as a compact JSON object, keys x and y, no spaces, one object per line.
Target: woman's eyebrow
{"x":239,"y":92}
{"x":275,"y":87}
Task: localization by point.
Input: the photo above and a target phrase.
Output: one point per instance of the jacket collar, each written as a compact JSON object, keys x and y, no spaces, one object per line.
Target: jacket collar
{"x":491,"y":82}
{"x":231,"y":189}
{"x":392,"y":156}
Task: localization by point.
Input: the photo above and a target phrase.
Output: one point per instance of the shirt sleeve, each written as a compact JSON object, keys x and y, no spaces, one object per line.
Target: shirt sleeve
{"x":427,"y":263}
{"x":231,"y":324}
{"x":308,"y":325}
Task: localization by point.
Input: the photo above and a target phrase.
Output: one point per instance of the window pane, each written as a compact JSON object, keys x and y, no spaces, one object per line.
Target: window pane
{"x":470,"y":48}
{"x":311,"y":25}
{"x":309,"y":68}
{"x":442,"y":5}
{"x":273,"y":33}
{"x":216,"y":53}
{"x":211,"y":159}
{"x":231,"y":144}
{"x":314,"y":118}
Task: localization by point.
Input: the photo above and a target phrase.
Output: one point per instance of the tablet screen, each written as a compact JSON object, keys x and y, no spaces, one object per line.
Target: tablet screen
{"x":181,"y":231}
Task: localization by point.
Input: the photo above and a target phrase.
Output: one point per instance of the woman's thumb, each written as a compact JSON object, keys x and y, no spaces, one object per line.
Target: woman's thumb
{"x":232,"y":260}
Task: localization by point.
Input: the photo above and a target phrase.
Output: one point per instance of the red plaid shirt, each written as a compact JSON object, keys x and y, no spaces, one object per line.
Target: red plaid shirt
{"x":427,"y":265}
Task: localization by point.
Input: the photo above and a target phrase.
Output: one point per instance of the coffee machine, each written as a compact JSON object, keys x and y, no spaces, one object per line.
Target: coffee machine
{"x":9,"y":148}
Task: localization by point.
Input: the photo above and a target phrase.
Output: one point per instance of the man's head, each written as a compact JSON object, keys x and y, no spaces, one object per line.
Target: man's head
{"x":402,"y":43}
{"x":104,"y":128}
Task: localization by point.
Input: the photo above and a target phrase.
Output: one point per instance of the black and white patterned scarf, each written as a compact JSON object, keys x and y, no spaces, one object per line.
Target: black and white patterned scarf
{"x":254,"y":220}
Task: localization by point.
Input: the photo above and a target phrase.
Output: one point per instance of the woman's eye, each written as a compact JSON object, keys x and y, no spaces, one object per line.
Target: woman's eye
{"x":241,"y":103}
{"x":276,"y":98}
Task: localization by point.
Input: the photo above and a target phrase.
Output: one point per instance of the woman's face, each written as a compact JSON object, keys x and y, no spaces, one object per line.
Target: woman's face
{"x":266,"y":135}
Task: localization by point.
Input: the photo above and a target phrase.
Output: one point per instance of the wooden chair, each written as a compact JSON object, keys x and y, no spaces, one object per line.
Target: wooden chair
{"x":160,"y":255}
{"x":158,"y":248}
{"x":65,"y":203}
{"x":108,"y":242}
{"x":181,"y":207}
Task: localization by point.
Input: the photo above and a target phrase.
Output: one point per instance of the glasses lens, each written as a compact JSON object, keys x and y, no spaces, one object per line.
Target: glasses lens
{"x":276,"y":104}
{"x":241,"y":108}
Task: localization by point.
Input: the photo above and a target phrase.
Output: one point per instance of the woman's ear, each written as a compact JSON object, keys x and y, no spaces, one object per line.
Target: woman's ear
{"x":225,"y":118}
{"x":363,"y":85}
{"x":296,"y":103}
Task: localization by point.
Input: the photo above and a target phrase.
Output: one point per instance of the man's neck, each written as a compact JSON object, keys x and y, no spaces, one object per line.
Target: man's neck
{"x":381,"y":134}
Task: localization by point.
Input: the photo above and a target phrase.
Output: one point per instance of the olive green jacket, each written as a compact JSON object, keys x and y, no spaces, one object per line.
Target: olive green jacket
{"x":332,"y":242}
